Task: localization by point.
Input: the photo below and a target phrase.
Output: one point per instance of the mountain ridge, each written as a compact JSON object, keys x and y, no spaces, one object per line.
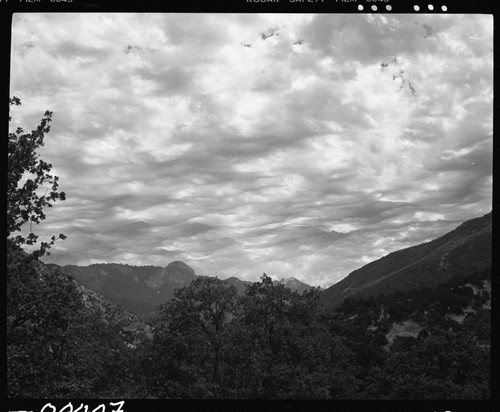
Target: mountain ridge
{"x":140,"y":289}
{"x":462,"y":251}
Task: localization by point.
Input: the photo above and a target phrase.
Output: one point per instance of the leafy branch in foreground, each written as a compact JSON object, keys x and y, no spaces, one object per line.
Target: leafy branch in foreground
{"x":28,"y":175}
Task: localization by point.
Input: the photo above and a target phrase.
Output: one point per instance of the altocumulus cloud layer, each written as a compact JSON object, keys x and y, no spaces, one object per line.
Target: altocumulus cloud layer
{"x":296,"y":145}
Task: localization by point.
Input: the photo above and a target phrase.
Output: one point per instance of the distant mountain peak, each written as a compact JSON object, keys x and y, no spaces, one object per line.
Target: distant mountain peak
{"x":178,"y":263}
{"x":179,"y":268}
{"x":289,"y":279}
{"x":294,"y":284}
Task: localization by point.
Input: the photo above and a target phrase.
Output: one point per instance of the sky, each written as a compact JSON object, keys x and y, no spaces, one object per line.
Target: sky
{"x":288,"y":144}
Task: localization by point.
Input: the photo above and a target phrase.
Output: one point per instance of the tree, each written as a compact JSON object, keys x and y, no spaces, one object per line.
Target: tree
{"x":444,"y":365}
{"x":285,"y":350}
{"x":57,"y":346}
{"x":27,"y":177}
{"x":190,"y":339}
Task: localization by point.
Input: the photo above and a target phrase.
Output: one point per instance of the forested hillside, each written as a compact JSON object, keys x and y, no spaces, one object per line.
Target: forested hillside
{"x":138,"y":289}
{"x":64,"y":340}
{"x":461,"y":252}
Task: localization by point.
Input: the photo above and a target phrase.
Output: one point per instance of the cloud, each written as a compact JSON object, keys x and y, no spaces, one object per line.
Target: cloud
{"x":368,"y":38}
{"x":73,"y":50}
{"x":295,"y":158}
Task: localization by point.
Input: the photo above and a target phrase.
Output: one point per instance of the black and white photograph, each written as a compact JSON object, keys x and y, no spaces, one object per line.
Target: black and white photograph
{"x":292,"y":206}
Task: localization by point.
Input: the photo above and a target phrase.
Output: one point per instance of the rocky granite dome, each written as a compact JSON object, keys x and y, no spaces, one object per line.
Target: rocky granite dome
{"x":139,"y":289}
